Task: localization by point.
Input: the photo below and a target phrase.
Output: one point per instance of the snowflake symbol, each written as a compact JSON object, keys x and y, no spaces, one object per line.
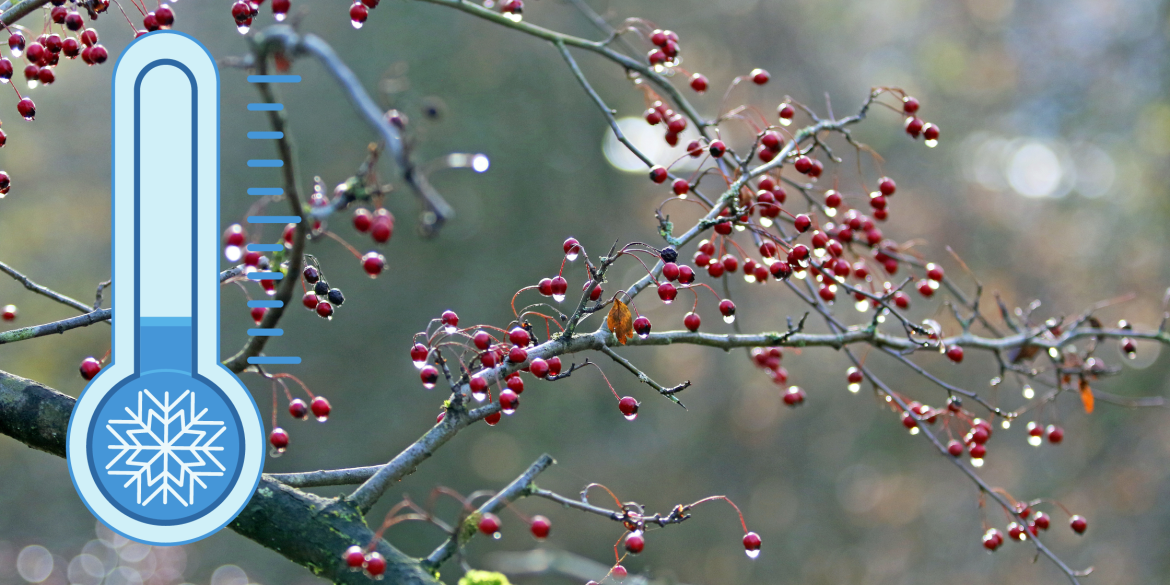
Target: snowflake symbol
{"x":165,"y":448}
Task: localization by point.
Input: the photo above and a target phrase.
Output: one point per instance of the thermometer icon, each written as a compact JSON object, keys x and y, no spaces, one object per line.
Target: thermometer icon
{"x":165,"y":445}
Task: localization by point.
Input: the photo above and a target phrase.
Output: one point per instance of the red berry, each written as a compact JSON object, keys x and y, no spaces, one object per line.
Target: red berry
{"x":658,"y":174}
{"x":16,"y":43}
{"x":913,"y":126}
{"x":686,"y":275}
{"x":667,"y":292}
{"x":717,"y":148}
{"x":751,"y":544}
{"x":629,"y":407}
{"x":992,"y":539}
{"x":692,"y":321}
{"x":481,"y":338}
{"x":280,"y":9}
{"x":1041,"y":521}
{"x":619,"y":572}
{"x":794,"y":396}
{"x":572,"y":248}
{"x":489,"y":359}
{"x":887,"y":186}
{"x":509,"y":401}
{"x":955,"y":353}
{"x":518,"y":336}
{"x":354,"y":557}
{"x":373,"y":263}
{"x":517,"y":354}
{"x":760,"y":77}
{"x":594,"y":294}
{"x":375,"y":564}
{"x":955,"y":448}
{"x":298,"y":409}
{"x":27,"y":108}
{"x":325,"y":309}
{"x":786,"y":111}
{"x":680,"y":187}
{"x":258,"y":314}
{"x":802,"y":222}
{"x":727,"y":308}
{"x":450,"y":319}
{"x":89,"y":38}
{"x":803,"y":164}
{"x":492,"y":419}
{"x":540,"y":527}
{"x":635,"y":542}
{"x":670,"y":271}
{"x":1015,"y":531}
{"x":478,"y":387}
{"x":1055,"y":434}
{"x":489,"y":524}
{"x":89,"y":366}
{"x":165,"y":15}
{"x":363,"y":220}
{"x":698,"y":83}
{"x":554,"y":366}
{"x":278,"y":439}
{"x":934,"y":272}
{"x":978,"y":435}
{"x":978,"y":451}
{"x":652,"y":116}
{"x":930,"y":132}
{"x":358,"y":13}
{"x":98,"y":54}
{"x":516,"y":383}
{"x":770,"y":141}
{"x":642,"y":326}
{"x":560,"y":286}
{"x":827,"y":294}
{"x":320,"y":407}
{"x":901,"y":300}
{"x":909,"y":105}
{"x":429,"y":375}
{"x":309,"y":300}
{"x":382,"y":229}
{"x":925,"y":289}
{"x":538,"y":367}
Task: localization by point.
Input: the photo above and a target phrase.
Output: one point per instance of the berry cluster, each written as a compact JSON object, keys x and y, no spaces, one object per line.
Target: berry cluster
{"x":914,"y":125}
{"x":322,"y":298}
{"x":318,"y":406}
{"x":244,"y":11}
{"x":1027,"y":521}
{"x":62,"y":36}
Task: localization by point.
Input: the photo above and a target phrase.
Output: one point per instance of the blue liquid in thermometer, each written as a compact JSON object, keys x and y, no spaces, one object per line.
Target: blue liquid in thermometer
{"x":165,"y":445}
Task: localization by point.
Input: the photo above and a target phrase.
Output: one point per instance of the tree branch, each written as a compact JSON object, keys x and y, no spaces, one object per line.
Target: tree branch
{"x":309,"y":530}
{"x":520,"y":487}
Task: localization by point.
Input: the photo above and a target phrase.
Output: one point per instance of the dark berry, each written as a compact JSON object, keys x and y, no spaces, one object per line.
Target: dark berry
{"x":298,"y":409}
{"x":336,"y":297}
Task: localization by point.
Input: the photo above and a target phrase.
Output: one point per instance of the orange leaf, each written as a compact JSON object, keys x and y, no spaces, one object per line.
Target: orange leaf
{"x":1086,"y":396}
{"x":620,"y":321}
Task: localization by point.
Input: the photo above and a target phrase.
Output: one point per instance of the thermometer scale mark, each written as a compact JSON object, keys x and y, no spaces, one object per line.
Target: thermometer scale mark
{"x":268,"y":219}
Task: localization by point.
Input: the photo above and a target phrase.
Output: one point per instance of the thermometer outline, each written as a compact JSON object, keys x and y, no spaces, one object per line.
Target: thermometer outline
{"x":166,"y":49}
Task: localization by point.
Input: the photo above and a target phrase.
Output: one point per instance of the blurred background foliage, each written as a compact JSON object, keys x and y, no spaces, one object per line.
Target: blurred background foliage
{"x":1050,"y":182}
